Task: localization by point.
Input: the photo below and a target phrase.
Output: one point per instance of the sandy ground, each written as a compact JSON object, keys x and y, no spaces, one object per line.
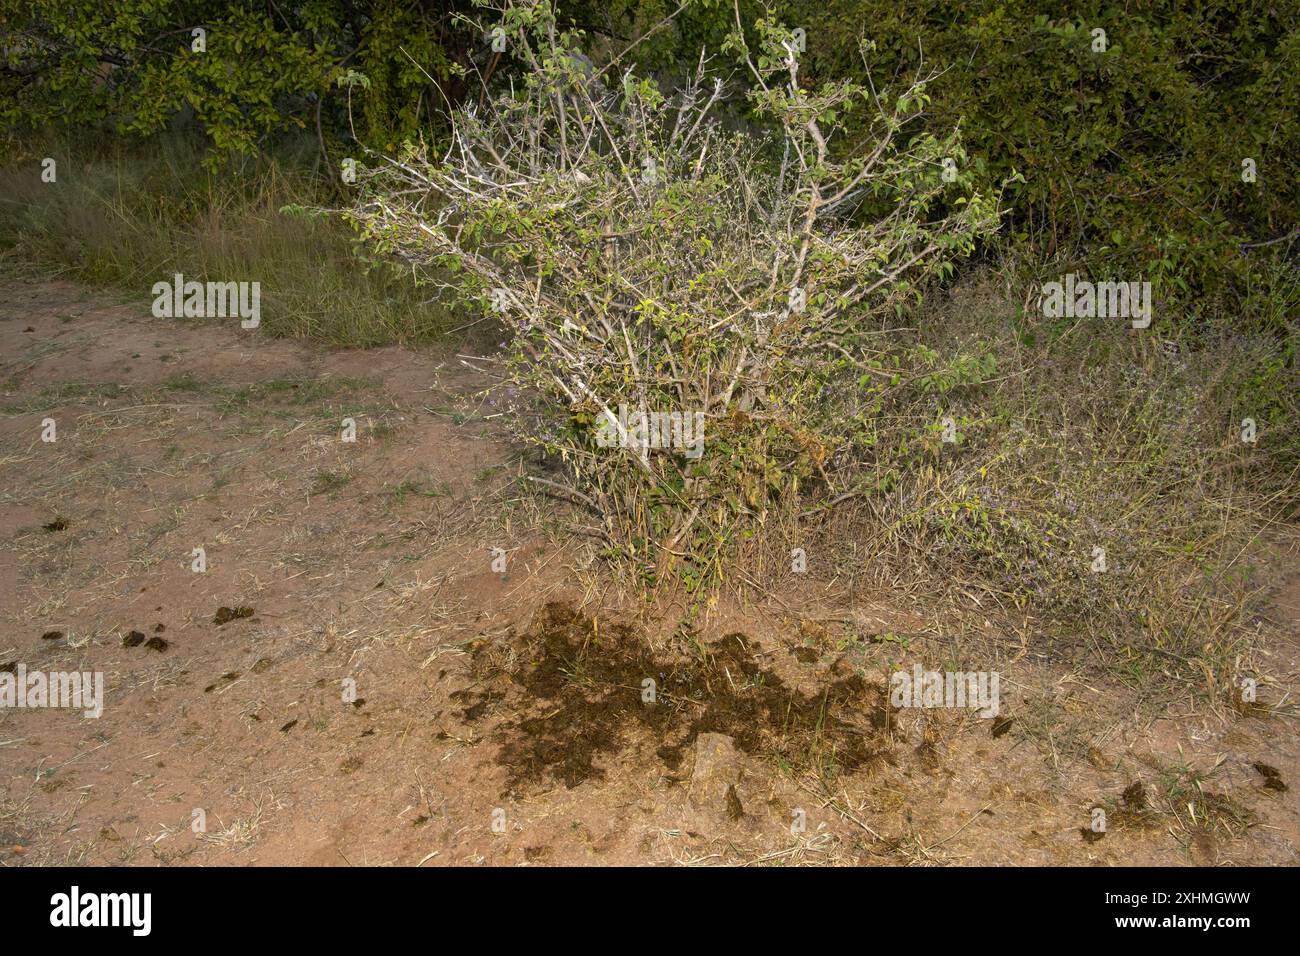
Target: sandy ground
{"x":384,"y":695}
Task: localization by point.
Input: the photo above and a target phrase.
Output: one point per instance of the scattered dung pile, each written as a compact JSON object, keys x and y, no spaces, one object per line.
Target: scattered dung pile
{"x":571,"y":688}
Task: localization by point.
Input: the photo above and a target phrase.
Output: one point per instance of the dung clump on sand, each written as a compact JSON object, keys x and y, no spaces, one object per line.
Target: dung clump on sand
{"x":572,"y":689}
{"x":225,"y":615}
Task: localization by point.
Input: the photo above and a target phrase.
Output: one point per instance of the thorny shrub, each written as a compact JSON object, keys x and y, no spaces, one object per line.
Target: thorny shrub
{"x":648,"y":257}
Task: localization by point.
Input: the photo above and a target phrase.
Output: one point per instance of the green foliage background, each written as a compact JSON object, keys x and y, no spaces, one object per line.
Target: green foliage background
{"x":1131,"y":157}
{"x":130,"y":67}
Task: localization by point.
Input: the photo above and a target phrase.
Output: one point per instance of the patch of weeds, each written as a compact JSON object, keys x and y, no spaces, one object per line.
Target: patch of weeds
{"x":292,"y":390}
{"x":1055,"y":731}
{"x":65,"y":393}
{"x":329,"y":482}
{"x":1198,"y":810}
{"x":181,"y":382}
{"x":417,"y":487}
